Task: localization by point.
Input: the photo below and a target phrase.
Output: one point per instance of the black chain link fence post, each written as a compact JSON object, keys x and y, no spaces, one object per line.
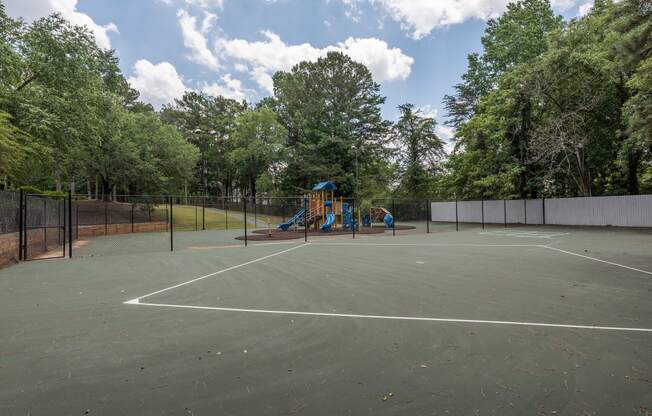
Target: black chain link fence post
{"x":305,"y":220}
{"x":482,"y":210}
{"x":69,"y":224}
{"x":20,"y":225}
{"x":171,"y":201}
{"x":244,"y":210}
{"x":457,"y":222}
{"x":395,"y":216}
{"x":428,"y":216}
{"x":353,"y":217}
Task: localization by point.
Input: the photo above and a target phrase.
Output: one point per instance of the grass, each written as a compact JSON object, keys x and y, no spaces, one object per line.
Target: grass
{"x":189,"y":218}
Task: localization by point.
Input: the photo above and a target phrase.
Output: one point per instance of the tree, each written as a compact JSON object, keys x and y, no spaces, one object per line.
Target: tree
{"x":257,"y":146}
{"x":419,"y":151}
{"x":491,"y":110}
{"x":208,"y":123}
{"x":68,"y":114}
{"x":331,"y":109}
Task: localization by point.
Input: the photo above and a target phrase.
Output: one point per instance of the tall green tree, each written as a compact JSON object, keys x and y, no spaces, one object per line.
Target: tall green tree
{"x":331,"y":109}
{"x":511,"y":42}
{"x":420,"y":151}
{"x":208,"y":123}
{"x":257,"y":147}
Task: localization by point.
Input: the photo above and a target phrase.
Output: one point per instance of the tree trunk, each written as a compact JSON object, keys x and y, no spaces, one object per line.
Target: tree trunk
{"x":89,"y":191}
{"x":583,"y":181}
{"x":252,"y":182}
{"x":72,"y":187}
{"x":106,"y":190}
{"x":633,"y":159}
{"x":97,"y":189}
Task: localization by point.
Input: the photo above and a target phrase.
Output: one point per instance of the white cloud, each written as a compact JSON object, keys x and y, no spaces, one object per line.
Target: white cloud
{"x":385,"y":63}
{"x":34,"y":9}
{"x":265,"y":57}
{"x":206,"y":4}
{"x":584,"y":8}
{"x":420,"y":17}
{"x":158,"y":84}
{"x":229,"y":88}
{"x":195,"y":40}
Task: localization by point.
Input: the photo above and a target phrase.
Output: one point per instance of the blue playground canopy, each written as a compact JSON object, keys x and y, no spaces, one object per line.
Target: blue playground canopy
{"x":325,"y":186}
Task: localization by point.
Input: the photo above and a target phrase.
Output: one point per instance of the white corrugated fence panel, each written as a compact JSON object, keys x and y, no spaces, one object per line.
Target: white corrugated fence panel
{"x":494,"y":212}
{"x":515,"y":211}
{"x":624,"y":211}
{"x":443,"y":211}
{"x":469,"y":211}
{"x":534,"y":211}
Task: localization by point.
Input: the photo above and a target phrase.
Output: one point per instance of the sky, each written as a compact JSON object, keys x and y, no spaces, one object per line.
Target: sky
{"x":416,"y":49}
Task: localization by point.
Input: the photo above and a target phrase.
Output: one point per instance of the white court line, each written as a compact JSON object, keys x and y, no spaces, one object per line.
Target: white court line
{"x":237,"y":266}
{"x":428,"y":244}
{"x":596,"y":259}
{"x":524,"y":234}
{"x":396,"y":318}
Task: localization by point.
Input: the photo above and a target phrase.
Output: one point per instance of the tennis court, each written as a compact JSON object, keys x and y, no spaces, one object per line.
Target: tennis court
{"x":526,"y":320}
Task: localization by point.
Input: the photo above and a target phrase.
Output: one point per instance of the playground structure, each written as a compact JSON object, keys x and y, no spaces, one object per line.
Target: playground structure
{"x":326,"y":212}
{"x":378,"y":214}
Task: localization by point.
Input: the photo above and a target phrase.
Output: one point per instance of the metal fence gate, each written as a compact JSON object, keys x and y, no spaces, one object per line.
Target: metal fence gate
{"x":45,"y":227}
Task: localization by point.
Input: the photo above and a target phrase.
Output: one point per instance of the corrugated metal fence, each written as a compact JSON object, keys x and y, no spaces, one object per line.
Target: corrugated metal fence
{"x":623,"y":211}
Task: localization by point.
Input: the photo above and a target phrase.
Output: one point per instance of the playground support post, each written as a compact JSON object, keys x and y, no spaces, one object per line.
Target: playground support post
{"x":171,"y":225}
{"x":244,"y":210}
{"x":69,"y":213}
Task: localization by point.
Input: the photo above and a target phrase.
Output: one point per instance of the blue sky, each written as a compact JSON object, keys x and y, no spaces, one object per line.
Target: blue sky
{"x":416,"y":49}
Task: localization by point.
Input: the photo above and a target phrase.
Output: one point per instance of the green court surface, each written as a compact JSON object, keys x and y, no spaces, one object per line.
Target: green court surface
{"x":527,"y":320}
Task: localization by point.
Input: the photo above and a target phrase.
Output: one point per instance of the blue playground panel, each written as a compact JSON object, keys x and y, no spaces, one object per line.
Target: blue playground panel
{"x":298,"y":217}
{"x":389,"y":221}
